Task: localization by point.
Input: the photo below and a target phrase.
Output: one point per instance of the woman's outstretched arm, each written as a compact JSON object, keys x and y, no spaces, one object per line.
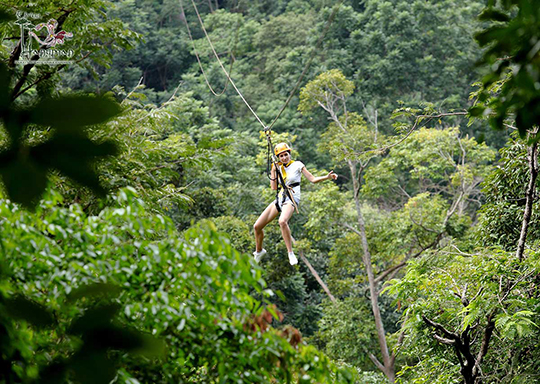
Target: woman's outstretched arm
{"x":313,"y":179}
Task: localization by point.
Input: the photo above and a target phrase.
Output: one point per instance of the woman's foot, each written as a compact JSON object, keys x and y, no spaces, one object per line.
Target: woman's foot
{"x":292,"y":258}
{"x":258,"y":255}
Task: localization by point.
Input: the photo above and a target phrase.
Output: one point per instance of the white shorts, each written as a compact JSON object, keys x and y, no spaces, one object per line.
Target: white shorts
{"x":285,"y":200}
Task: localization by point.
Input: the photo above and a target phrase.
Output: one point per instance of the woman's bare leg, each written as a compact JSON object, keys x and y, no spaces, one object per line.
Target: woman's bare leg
{"x":287,"y":211}
{"x":269,"y":214}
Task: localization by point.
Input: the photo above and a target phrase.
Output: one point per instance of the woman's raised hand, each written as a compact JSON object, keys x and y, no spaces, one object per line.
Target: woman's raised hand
{"x":331,"y":176}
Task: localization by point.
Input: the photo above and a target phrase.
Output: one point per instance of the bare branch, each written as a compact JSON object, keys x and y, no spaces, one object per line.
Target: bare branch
{"x":529,"y":196}
{"x":420,"y":225}
{"x":461,"y":252}
{"x":133,"y":90}
{"x":440,"y":328}
{"x":376,"y":362}
{"x":444,"y":341}
{"x":317,"y":277}
{"x":477,"y":294}
{"x":399,"y":340}
{"x":401,"y":265}
{"x":352,"y":229}
{"x":488,"y":332}
{"x":510,"y":126}
{"x":418,"y":119}
{"x":389,"y":271}
{"x":404,"y":191}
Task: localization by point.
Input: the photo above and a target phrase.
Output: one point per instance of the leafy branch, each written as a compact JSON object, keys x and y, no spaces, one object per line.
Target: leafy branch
{"x":24,"y":168}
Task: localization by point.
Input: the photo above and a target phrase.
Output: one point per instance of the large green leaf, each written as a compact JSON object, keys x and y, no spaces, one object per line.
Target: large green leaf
{"x":22,"y":308}
{"x":24,"y":180}
{"x":72,"y":112}
{"x":94,"y":290}
{"x":4,"y":87}
{"x":98,"y":317}
{"x":73,"y":156}
{"x":491,"y":14}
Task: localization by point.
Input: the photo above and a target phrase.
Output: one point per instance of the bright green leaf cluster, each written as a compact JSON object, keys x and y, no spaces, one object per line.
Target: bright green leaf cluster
{"x":196,"y":293}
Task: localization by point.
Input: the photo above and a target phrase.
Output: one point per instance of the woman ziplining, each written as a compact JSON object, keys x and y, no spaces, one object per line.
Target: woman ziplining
{"x":290,"y":196}
{"x":288,"y":176}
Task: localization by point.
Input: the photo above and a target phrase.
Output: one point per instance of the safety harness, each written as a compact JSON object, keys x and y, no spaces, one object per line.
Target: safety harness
{"x":287,"y":188}
{"x":289,"y":191}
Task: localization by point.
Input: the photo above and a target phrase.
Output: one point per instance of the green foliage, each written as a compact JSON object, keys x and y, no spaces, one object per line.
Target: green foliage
{"x":461,"y":293}
{"x":163,"y":150}
{"x":516,"y":326}
{"x":371,"y":377}
{"x":326,"y":207}
{"x":15,"y":336}
{"x":238,"y":231}
{"x":197,"y":159}
{"x":93,"y":334}
{"x":347,"y":139}
{"x":194,"y":293}
{"x":345,"y":334}
{"x":407,"y":50}
{"x":324,"y":89}
{"x":302,"y":311}
{"x":510,"y":40}
{"x":435,"y":160}
{"x":207,"y":203}
{"x":346,"y":277}
{"x":504,"y":190}
{"x":356,"y":142}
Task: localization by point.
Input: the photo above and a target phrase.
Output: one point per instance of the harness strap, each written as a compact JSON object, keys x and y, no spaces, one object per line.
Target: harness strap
{"x":287,"y":195}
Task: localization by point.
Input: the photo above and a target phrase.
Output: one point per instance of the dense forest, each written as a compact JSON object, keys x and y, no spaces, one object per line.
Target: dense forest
{"x":136,"y":156}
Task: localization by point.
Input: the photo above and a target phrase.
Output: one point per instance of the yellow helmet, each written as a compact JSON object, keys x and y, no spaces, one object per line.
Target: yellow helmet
{"x":281,"y":147}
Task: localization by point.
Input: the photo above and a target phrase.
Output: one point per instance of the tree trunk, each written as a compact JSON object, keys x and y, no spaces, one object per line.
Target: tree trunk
{"x":317,"y":277}
{"x":469,"y":365}
{"x":529,"y":199}
{"x":388,"y":361}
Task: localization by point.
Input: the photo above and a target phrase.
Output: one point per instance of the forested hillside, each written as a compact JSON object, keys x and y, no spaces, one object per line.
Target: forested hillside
{"x":136,"y":147}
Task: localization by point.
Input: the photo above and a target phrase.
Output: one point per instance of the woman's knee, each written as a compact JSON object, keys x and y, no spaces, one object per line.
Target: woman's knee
{"x":283,"y":223}
{"x":257,"y":227}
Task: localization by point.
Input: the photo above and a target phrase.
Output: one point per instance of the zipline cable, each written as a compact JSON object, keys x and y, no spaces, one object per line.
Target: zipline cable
{"x":220,"y":63}
{"x":183,"y":16}
{"x":321,"y":37}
